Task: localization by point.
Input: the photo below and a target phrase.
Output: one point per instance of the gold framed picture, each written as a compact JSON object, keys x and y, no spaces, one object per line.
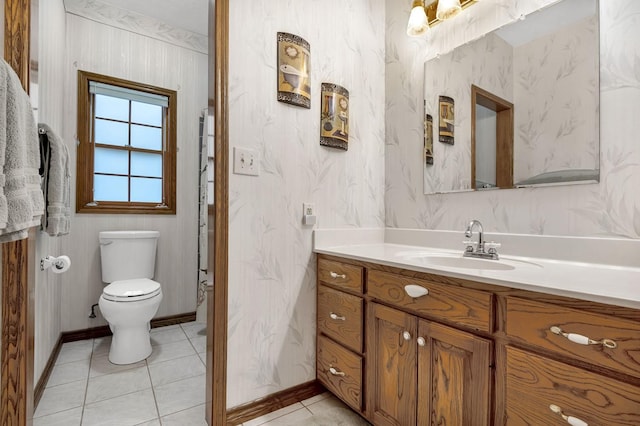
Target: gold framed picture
{"x":428,"y":139}
{"x":447,"y":120}
{"x":294,"y":74}
{"x":334,"y":116}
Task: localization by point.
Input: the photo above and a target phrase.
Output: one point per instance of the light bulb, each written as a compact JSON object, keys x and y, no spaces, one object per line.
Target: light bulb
{"x":447,"y":9}
{"x":418,"y":24}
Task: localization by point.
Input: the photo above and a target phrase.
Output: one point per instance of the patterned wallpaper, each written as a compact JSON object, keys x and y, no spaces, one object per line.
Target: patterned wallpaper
{"x":557,"y":102}
{"x":610,"y":208}
{"x":271,"y":265}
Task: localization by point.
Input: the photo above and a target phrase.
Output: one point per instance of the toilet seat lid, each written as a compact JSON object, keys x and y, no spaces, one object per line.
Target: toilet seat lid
{"x":131,"y":290}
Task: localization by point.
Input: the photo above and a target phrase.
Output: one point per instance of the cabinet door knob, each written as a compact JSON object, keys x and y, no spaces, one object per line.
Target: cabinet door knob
{"x":415,"y":291}
{"x":573,"y":421}
{"x":335,"y":275}
{"x":583,"y":340}
{"x":336,"y":317}
{"x":422,"y":341}
{"x":335,"y":372}
{"x":406,"y":335}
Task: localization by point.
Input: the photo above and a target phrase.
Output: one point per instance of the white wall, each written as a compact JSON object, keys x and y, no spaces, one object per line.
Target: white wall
{"x":611,"y":207}
{"x":272,"y":291}
{"x":51,"y":54}
{"x":103,"y":49}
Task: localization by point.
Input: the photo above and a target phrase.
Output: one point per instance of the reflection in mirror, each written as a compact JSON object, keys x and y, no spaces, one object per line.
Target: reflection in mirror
{"x":526,"y":104}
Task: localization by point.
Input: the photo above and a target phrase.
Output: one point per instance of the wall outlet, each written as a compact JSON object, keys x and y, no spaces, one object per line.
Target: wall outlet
{"x":308,"y":209}
{"x":246,"y":161}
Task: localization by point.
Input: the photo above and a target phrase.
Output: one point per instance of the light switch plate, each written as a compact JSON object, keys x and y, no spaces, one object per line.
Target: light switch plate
{"x":246,"y":161}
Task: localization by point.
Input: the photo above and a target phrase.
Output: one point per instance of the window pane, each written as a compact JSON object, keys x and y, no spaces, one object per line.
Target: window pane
{"x":210,"y":170}
{"x":143,"y":164}
{"x":146,"y":137}
{"x":114,"y":108}
{"x":111,"y":133}
{"x":146,"y":114}
{"x":113,"y":161}
{"x":147,"y":190}
{"x":110,"y":188}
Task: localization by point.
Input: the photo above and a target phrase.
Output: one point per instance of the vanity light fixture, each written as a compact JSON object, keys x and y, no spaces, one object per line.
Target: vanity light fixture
{"x":424,"y":16}
{"x":418,"y":24}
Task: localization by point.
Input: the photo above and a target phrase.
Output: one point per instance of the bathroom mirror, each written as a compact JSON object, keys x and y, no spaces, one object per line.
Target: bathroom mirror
{"x":518,"y":107}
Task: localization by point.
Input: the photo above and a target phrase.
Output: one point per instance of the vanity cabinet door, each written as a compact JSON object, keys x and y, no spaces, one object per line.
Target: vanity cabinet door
{"x":391,"y":366}
{"x":454,"y":376}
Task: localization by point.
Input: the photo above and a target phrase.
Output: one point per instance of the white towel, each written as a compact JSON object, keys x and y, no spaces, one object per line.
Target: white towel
{"x":57,"y":215}
{"x":21,"y":202}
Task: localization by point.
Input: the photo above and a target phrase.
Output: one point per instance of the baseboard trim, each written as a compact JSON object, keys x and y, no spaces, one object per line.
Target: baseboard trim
{"x":273,"y":402}
{"x":103,"y":331}
{"x":38,"y":390}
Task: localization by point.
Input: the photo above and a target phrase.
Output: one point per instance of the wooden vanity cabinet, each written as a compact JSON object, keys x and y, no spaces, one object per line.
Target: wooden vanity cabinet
{"x":424,"y":373}
{"x":468,"y":353}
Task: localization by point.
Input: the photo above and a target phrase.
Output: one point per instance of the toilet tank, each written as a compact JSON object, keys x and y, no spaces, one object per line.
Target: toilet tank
{"x":127,"y":255}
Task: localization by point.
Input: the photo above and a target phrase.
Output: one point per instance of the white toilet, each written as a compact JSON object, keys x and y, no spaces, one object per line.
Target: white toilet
{"x":131,"y":299}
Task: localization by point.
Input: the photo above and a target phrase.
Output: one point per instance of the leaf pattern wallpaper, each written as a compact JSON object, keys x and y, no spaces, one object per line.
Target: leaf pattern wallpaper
{"x":272,"y":278}
{"x":362,"y":46}
{"x":610,"y":208}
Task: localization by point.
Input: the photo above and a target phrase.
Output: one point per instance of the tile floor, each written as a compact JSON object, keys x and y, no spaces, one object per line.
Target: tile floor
{"x":165,"y":389}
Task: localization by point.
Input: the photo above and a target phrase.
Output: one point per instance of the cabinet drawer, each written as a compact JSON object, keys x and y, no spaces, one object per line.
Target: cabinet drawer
{"x":340,"y":317}
{"x":340,"y":274}
{"x":531,"y":322}
{"x":534,"y":383}
{"x":472,"y":308}
{"x":340,"y":371}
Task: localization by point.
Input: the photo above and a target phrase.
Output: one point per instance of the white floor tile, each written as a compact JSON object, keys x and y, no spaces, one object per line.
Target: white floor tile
{"x":180,"y":395}
{"x":75,"y":351}
{"x":176,"y":369}
{"x":199,"y":343}
{"x":194,"y":329}
{"x":127,"y":410}
{"x":203,"y":357}
{"x":332,"y":411}
{"x":61,"y":398}
{"x":117,"y":384}
{"x":163,"y":336}
{"x":65,"y":418}
{"x":170,"y":351}
{"x":69,"y":372}
{"x":101,"y":345}
{"x":317,"y":398}
{"x":274,"y":415}
{"x":155,"y":422}
{"x":100,"y":365}
{"x":298,"y":417}
{"x":193,"y":417}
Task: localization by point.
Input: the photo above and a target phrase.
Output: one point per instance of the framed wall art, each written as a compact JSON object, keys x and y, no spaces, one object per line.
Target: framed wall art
{"x":294,"y":74}
{"x":447,"y":120}
{"x":334,"y":116}
{"x":428,"y":139}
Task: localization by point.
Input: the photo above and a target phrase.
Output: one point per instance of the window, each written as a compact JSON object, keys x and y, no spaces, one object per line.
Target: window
{"x":127,"y":147}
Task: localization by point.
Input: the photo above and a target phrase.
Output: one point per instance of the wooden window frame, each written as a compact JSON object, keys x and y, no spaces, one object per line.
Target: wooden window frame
{"x":85,"y":156}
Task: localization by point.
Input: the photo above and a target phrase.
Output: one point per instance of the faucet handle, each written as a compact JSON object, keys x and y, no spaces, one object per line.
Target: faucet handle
{"x":492,"y":246}
{"x":470,"y":244}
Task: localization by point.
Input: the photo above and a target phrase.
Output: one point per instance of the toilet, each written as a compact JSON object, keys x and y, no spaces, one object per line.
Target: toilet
{"x":131,"y":298}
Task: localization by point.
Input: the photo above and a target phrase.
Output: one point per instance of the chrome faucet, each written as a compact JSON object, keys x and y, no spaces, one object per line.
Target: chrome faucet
{"x":479,"y":249}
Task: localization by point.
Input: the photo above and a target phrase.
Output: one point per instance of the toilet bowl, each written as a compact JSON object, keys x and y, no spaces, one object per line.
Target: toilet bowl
{"x":131,"y":298}
{"x":129,"y":306}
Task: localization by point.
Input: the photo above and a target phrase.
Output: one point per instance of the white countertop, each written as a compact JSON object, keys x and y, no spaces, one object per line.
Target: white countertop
{"x":615,"y":280}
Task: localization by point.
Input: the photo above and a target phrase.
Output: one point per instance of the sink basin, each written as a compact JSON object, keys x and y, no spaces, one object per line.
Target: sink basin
{"x":468,"y":263}
{"x":460,"y":262}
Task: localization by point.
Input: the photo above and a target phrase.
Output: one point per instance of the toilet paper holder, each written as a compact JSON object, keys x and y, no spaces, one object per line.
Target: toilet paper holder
{"x":58,"y":263}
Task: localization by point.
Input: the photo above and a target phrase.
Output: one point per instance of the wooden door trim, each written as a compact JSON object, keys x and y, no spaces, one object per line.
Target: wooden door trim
{"x":216,"y":388}
{"x":18,"y":265}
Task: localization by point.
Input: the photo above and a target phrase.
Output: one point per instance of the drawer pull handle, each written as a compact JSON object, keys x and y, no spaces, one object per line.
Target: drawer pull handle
{"x":336,"y":317}
{"x":573,"y":421}
{"x":335,"y":372}
{"x":406,"y":335}
{"x":335,"y":275}
{"x":415,"y":291}
{"x":583,"y":340}
{"x":421,"y":341}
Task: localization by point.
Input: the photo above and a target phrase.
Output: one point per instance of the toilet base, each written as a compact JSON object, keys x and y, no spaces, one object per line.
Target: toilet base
{"x":130,"y":345}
